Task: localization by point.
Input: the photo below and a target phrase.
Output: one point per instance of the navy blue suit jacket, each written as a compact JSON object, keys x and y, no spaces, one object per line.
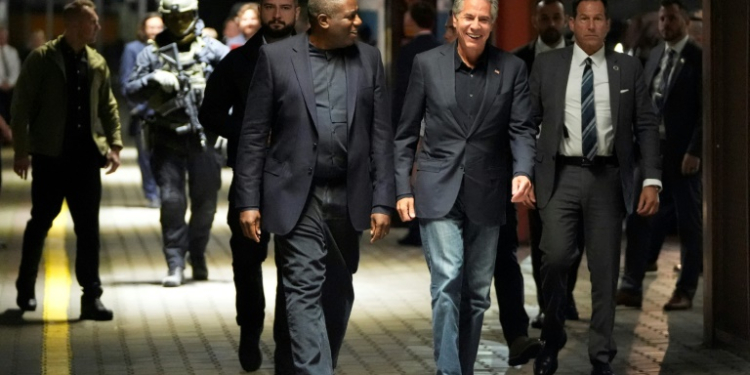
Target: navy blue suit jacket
{"x":276,"y":173}
{"x":452,"y":156}
{"x":683,"y":103}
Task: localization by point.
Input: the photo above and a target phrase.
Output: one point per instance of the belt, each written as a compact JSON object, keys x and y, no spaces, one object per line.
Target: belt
{"x":580,"y":161}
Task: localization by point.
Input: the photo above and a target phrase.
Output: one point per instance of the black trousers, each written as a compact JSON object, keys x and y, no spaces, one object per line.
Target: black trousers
{"x":247,"y":258}
{"x":75,"y":179}
{"x":318,"y":258}
{"x":681,"y":198}
{"x":200,"y":170}
{"x":535,"y":235}
{"x":591,"y":197}
{"x":509,"y":281}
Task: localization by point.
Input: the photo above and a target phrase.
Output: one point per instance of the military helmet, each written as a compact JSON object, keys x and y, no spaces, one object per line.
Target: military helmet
{"x":178,"y":6}
{"x":180,"y":16}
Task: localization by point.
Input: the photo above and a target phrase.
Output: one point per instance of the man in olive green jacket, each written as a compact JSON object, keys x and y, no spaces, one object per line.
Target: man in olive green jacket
{"x":65,"y":125}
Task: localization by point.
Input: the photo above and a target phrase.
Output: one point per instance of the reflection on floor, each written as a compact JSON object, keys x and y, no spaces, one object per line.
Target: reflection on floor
{"x":191,"y":329}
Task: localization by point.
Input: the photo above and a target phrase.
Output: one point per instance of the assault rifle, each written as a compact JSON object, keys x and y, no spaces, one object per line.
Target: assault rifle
{"x":187,"y":98}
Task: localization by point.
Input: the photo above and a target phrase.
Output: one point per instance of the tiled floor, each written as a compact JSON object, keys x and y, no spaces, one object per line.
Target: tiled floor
{"x":191,"y":329}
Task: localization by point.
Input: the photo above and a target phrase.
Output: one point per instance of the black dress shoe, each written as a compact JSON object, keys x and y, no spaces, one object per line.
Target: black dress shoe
{"x":523,"y":349}
{"x":571,"y":312}
{"x":679,"y":301}
{"x":26,"y":303}
{"x":93,"y":309}
{"x":200,"y":270}
{"x":249,"y":353}
{"x":629,"y":298}
{"x":602,"y":369}
{"x":538,"y":322}
{"x":546,"y":362}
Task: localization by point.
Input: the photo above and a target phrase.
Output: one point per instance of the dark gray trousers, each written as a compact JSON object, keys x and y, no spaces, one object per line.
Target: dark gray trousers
{"x":200,"y":171}
{"x":591,"y":197}
{"x":318,"y":258}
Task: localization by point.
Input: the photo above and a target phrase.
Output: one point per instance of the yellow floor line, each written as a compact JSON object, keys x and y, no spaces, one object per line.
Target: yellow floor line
{"x":56,"y":352}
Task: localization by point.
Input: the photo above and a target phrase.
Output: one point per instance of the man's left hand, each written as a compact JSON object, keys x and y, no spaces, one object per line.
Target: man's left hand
{"x":380,"y":225}
{"x":690,"y":165}
{"x":113,"y":160}
{"x":648,"y":204}
{"x":521,"y":187}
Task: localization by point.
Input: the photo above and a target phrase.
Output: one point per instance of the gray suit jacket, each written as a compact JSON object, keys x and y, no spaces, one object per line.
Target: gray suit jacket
{"x":452,"y":156}
{"x":276,"y":173}
{"x":636,"y":131}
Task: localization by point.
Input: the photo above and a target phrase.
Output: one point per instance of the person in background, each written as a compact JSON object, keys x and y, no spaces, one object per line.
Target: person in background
{"x":248,"y":22}
{"x":420,"y":19}
{"x":64,"y":144}
{"x":150,"y":26}
{"x":549,"y":22}
{"x":184,"y":156}
{"x":233,"y":38}
{"x":222,"y":111}
{"x":36,"y":39}
{"x":674,"y":76}
{"x":10,"y":68}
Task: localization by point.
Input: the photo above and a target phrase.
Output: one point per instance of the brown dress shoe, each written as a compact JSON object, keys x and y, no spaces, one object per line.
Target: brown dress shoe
{"x":629,"y":298}
{"x":679,"y":301}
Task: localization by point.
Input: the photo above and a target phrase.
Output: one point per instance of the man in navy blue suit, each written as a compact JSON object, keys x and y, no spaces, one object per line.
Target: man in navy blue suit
{"x":673,"y":74}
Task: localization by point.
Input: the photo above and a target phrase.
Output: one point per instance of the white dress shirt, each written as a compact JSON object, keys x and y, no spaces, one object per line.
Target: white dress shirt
{"x":13,"y":62}
{"x":572,"y":145}
{"x":540,"y":47}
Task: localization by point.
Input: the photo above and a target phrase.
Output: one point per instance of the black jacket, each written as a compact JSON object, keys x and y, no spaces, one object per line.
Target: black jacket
{"x":227,"y":88}
{"x":404,"y":62}
{"x":683,"y":104}
{"x":279,"y":138}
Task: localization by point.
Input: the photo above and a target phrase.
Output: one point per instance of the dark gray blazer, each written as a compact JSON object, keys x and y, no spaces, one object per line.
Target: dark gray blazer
{"x":636,"y":130}
{"x":452,"y":156}
{"x":276,"y":174}
{"x":683,"y":104}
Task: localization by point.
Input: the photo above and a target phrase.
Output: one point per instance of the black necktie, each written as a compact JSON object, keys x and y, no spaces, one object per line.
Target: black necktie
{"x":664,"y":84}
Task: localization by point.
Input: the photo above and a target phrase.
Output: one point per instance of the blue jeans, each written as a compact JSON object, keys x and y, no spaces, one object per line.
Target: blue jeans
{"x":461,"y":257}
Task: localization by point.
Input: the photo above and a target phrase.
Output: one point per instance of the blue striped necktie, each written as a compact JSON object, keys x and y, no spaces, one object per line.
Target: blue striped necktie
{"x":588,"y":113}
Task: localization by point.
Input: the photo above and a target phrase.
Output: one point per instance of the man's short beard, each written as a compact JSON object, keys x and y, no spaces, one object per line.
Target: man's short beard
{"x":551,"y":36}
{"x":280,"y":33}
